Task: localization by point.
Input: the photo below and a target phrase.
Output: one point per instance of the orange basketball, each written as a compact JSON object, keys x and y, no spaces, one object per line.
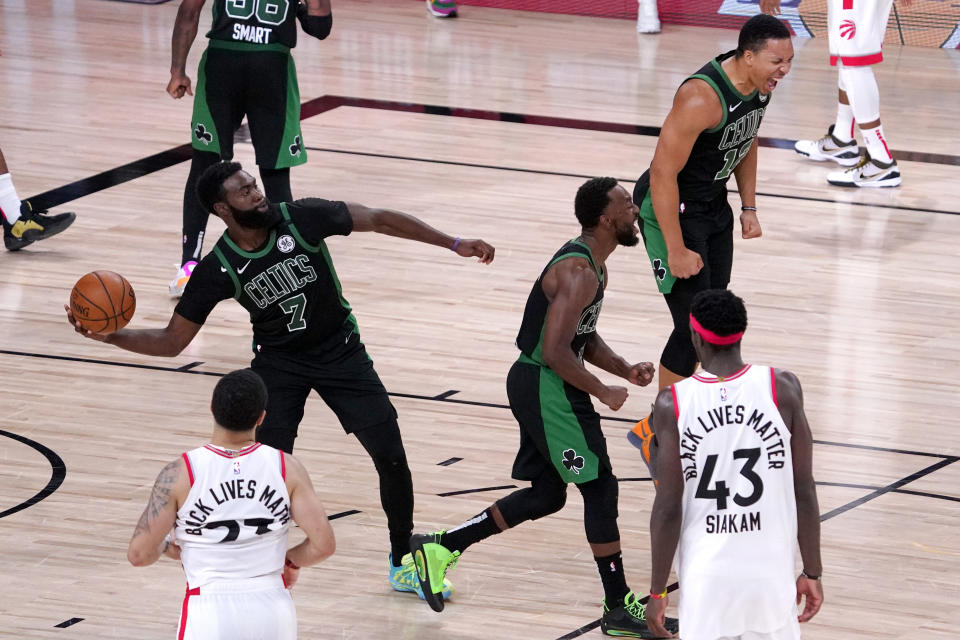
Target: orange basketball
{"x":103,"y":301}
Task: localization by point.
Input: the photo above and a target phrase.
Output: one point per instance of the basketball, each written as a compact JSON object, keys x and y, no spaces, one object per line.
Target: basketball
{"x":103,"y":301}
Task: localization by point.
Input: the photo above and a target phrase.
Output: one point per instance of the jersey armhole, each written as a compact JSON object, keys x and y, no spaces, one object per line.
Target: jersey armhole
{"x":723,"y":102}
{"x":773,"y":386}
{"x":283,"y":466}
{"x":313,"y":248}
{"x":186,"y":459}
{"x":676,"y":403}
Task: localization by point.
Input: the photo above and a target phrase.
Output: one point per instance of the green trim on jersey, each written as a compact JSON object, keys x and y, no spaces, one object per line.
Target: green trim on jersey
{"x":267,"y":247}
{"x":655,"y":245}
{"x":247,"y":46}
{"x":536,"y":356}
{"x":336,"y":282}
{"x":202,"y":116}
{"x":726,"y":78}
{"x":228,"y":270}
{"x":565,"y":431}
{"x":292,"y":135}
{"x":296,"y":234}
{"x":723,"y":102}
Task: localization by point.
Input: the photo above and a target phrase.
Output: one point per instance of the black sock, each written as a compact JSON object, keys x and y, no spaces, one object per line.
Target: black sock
{"x":614,"y":581}
{"x":399,"y":547}
{"x":473,"y":530}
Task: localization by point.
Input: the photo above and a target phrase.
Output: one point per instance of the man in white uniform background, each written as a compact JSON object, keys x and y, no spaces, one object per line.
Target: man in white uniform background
{"x":855,"y":33}
{"x":735,"y":491}
{"x":229,"y":504}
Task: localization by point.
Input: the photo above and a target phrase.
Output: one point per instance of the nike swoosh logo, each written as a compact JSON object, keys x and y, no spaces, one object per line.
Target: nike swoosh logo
{"x":222,"y":269}
{"x":244,"y":267}
{"x":734,"y":107}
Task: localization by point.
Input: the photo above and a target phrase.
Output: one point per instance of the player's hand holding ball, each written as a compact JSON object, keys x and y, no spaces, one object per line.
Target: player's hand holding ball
{"x":100,"y":303}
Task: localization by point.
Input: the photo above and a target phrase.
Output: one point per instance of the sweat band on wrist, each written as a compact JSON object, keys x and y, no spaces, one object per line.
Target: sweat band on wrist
{"x":658,"y":596}
{"x":290,"y":564}
{"x":745,"y":208}
{"x":456,"y":243}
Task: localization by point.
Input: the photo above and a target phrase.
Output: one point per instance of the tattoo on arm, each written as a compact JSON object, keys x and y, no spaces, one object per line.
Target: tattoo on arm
{"x":159,"y":498}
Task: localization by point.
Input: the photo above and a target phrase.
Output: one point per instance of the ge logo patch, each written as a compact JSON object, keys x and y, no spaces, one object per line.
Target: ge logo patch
{"x":848,"y":29}
{"x":285,"y":244}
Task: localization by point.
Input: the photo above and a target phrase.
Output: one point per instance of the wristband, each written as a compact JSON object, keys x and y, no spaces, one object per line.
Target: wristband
{"x":748,"y":208}
{"x":456,"y":243}
{"x":810,"y":577}
{"x":288,"y":563}
{"x":658,"y":596}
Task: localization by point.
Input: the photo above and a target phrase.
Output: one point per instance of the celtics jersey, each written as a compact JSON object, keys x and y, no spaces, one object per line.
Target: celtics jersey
{"x":718,"y":151}
{"x":289,"y":285}
{"x":530,"y":338}
{"x":256,"y":22}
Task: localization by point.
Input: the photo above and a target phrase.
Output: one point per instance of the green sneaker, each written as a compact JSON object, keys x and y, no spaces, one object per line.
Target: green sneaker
{"x":629,"y":619}
{"x":432,"y":560}
{"x":404,"y":578}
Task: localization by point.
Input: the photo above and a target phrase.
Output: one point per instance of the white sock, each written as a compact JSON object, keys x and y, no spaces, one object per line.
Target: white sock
{"x":9,"y":202}
{"x":877,"y":144}
{"x":843,"y":129}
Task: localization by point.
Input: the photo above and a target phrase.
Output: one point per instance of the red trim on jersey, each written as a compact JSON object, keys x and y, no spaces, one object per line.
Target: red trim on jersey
{"x":676,"y":403}
{"x":242,"y":452}
{"x":700,"y":378}
{"x":189,"y":468}
{"x":847,"y":5}
{"x":183,"y":612}
{"x":283,"y":466}
{"x":833,"y":60}
{"x":773,"y":386}
{"x":861,"y":61}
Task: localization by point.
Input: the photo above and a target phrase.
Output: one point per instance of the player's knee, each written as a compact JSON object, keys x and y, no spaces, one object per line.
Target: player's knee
{"x":547,"y":501}
{"x":600,"y":510}
{"x":678,"y":355}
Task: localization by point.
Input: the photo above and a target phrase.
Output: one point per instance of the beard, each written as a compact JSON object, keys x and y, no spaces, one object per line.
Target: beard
{"x":626,"y":237}
{"x":253,"y":218}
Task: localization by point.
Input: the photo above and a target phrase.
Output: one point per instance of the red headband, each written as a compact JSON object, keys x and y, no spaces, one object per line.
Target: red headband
{"x":713,"y":338}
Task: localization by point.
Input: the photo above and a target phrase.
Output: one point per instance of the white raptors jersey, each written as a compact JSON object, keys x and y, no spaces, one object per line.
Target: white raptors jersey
{"x":235,"y":520}
{"x":739,"y":534}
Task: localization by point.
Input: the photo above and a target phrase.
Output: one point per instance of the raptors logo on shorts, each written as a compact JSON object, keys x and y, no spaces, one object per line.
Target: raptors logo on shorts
{"x":848,"y":29}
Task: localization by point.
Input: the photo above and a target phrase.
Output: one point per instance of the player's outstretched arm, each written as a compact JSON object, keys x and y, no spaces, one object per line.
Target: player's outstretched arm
{"x":404,"y":225}
{"x":307,"y":511}
{"x":667,"y":513}
{"x":169,"y":341}
{"x":790,"y":402}
{"x":169,"y":491}
{"x":184,"y":33}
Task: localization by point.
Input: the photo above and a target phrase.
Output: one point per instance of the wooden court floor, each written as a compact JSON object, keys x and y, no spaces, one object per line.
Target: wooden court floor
{"x":857,"y":292}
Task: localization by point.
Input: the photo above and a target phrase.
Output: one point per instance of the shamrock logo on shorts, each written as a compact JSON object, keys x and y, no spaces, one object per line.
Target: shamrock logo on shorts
{"x":202,"y":134}
{"x":572,"y":461}
{"x":658,"y":271}
{"x":296,"y":147}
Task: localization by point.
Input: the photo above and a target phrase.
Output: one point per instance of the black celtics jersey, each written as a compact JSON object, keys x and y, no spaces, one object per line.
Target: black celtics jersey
{"x":255,"y":21}
{"x":530,"y":338}
{"x":718,"y":151}
{"x":289,"y":285}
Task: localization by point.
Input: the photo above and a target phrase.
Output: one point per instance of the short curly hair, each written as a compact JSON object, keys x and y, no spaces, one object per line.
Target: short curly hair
{"x":238,"y":400}
{"x":592,"y":198}
{"x":719,"y":311}
{"x":210,"y":184}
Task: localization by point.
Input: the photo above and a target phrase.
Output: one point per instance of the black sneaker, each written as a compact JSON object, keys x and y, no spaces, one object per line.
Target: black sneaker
{"x":34,"y":225}
{"x":629,"y":619}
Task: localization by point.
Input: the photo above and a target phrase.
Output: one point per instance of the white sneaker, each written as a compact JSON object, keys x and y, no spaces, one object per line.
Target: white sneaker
{"x":846,"y":154}
{"x":867,"y":173}
{"x":648,"y":19}
{"x":179,"y":283}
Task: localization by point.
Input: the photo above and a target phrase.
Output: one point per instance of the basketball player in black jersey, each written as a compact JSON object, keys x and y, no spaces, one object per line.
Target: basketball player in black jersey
{"x":247,"y":70}
{"x":561,"y":440}
{"x":685,"y":219}
{"x":272,"y":259}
